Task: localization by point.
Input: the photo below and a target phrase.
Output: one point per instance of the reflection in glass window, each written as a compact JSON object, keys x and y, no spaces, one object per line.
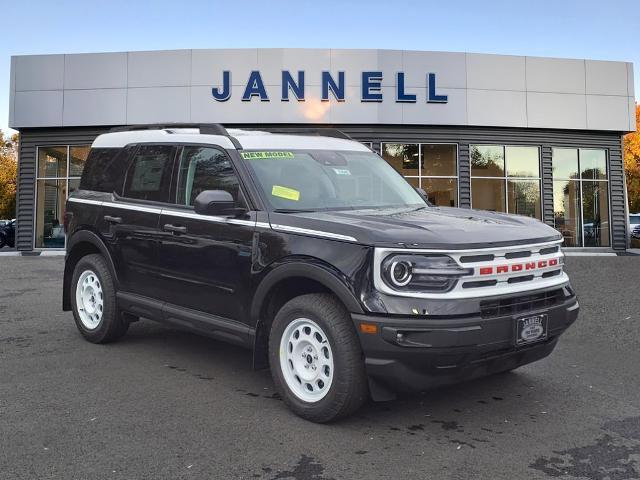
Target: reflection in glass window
{"x":52,"y":162}
{"x":439,"y":160}
{"x":517,"y":169}
{"x":487,"y":160}
{"x":566,"y":211}
{"x":436,"y":172}
{"x":58,"y":174}
{"x":581,"y":205}
{"x":442,"y":192}
{"x":595,"y":212}
{"x":523,"y":197}
{"x":593,"y":164}
{"x":52,"y":195}
{"x":77,"y":158}
{"x":565,"y":163}
{"x":488,"y":194}
{"x":402,"y":156}
{"x":522,"y":162}
{"x":201,"y":169}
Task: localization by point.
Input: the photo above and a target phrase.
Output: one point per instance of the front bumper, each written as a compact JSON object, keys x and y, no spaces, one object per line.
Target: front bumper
{"x":419,"y":353}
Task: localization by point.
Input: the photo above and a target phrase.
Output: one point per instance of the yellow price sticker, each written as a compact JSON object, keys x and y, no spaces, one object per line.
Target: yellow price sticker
{"x":285,"y":192}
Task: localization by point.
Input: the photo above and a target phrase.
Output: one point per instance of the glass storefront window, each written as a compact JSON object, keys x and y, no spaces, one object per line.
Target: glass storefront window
{"x":580,"y":196}
{"x":595,"y":214}
{"x":442,"y":192}
{"x":565,"y":163}
{"x":436,"y":171}
{"x":515,"y":186}
{"x":439,"y":160}
{"x":77,"y":157}
{"x":59,"y":171}
{"x":566,"y":211}
{"x":488,"y":194}
{"x":52,"y":195}
{"x":402,"y":156}
{"x":593,"y":164}
{"x":522,"y":162}
{"x":487,"y":161}
{"x":52,"y":162}
{"x":523,"y":197}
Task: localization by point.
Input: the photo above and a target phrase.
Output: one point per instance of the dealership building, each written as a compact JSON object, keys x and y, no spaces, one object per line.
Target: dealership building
{"x":526,"y":135}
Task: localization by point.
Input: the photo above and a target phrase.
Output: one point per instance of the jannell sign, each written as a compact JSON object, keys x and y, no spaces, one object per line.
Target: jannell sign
{"x":371,"y":88}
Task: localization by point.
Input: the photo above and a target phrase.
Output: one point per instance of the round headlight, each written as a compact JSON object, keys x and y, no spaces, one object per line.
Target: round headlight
{"x":400,"y":273}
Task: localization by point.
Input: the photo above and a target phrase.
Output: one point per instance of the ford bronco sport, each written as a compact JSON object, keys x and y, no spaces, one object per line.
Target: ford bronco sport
{"x":315,"y":253}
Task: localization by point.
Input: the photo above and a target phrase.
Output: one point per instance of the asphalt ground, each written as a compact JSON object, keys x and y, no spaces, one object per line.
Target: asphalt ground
{"x":166,"y":404}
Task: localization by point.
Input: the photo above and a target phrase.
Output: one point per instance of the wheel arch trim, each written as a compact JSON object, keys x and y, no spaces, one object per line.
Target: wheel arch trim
{"x":83,"y":237}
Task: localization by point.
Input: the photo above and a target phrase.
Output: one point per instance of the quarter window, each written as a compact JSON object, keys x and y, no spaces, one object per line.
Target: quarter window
{"x":149,"y":174}
{"x":203,"y":168}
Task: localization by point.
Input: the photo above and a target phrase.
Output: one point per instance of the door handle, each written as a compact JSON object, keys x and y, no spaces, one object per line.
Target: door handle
{"x":174,"y":229}
{"x":110,"y":219}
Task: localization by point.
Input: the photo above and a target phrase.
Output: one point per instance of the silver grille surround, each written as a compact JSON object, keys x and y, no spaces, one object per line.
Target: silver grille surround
{"x":502,"y":286}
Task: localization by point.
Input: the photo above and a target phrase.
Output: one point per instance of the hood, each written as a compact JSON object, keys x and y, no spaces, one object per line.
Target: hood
{"x":428,"y":227}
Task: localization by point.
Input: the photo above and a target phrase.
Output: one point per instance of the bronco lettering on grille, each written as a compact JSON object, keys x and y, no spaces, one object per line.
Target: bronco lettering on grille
{"x":519,"y":267}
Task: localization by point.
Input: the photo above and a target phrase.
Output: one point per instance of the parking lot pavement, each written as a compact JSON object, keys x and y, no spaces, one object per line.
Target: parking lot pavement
{"x":167,"y":404}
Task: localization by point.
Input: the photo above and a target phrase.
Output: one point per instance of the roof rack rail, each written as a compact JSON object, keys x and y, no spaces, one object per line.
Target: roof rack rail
{"x":318,"y":131}
{"x":205,"y":128}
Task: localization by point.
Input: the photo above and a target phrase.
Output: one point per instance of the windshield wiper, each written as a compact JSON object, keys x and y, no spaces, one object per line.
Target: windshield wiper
{"x":292,"y":210}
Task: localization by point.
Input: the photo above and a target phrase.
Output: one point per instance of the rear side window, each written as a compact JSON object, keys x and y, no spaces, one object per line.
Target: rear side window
{"x":104,"y":169}
{"x":149,"y":174}
{"x":204,"y":168}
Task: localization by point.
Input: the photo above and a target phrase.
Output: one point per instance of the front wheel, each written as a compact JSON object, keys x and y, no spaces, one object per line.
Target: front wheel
{"x":316,"y":360}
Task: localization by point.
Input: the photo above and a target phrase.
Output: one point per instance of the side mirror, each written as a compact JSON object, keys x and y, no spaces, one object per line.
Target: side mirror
{"x":214,"y":202}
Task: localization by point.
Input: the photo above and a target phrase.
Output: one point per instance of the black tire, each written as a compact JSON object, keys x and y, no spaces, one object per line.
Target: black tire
{"x":112,"y":325}
{"x":3,"y":241}
{"x":349,"y":387}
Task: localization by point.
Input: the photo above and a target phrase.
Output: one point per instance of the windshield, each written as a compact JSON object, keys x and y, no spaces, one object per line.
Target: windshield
{"x":329,"y":180}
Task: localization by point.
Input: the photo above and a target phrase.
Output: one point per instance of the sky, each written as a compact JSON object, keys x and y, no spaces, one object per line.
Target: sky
{"x":603,"y":30}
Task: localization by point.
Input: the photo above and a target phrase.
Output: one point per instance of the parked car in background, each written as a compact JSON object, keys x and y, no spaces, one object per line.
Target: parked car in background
{"x":8,"y":233}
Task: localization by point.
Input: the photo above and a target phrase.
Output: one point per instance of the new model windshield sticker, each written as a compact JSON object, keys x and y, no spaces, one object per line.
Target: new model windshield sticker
{"x":259,"y":155}
{"x":341,"y":171}
{"x":285,"y":192}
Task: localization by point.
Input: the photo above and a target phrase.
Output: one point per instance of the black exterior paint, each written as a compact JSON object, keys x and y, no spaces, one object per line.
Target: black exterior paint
{"x":462,"y":136}
{"x":215,"y":276}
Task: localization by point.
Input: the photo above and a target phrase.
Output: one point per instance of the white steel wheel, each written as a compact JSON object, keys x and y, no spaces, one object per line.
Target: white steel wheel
{"x":89,"y":299}
{"x":306,"y":360}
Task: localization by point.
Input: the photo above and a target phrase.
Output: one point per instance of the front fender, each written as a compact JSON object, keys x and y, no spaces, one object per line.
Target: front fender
{"x":323,"y":274}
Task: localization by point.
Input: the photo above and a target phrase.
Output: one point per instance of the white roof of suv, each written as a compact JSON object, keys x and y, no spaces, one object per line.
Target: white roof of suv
{"x":248,"y":139}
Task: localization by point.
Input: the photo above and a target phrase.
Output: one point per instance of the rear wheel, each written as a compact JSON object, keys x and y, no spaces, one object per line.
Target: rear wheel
{"x":93,"y":301}
{"x":316,"y":360}
{"x":3,"y":241}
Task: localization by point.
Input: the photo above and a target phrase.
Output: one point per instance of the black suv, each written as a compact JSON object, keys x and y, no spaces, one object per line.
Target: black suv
{"x":315,"y":253}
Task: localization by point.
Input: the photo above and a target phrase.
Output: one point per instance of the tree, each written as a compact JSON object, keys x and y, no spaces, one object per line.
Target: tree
{"x":8,"y":175}
{"x":632,"y":165}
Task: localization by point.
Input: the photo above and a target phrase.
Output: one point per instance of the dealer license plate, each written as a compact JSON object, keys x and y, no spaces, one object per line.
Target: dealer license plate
{"x":531,"y":329}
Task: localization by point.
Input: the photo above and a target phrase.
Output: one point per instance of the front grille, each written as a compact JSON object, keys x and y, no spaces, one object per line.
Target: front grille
{"x":520,"y":304}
